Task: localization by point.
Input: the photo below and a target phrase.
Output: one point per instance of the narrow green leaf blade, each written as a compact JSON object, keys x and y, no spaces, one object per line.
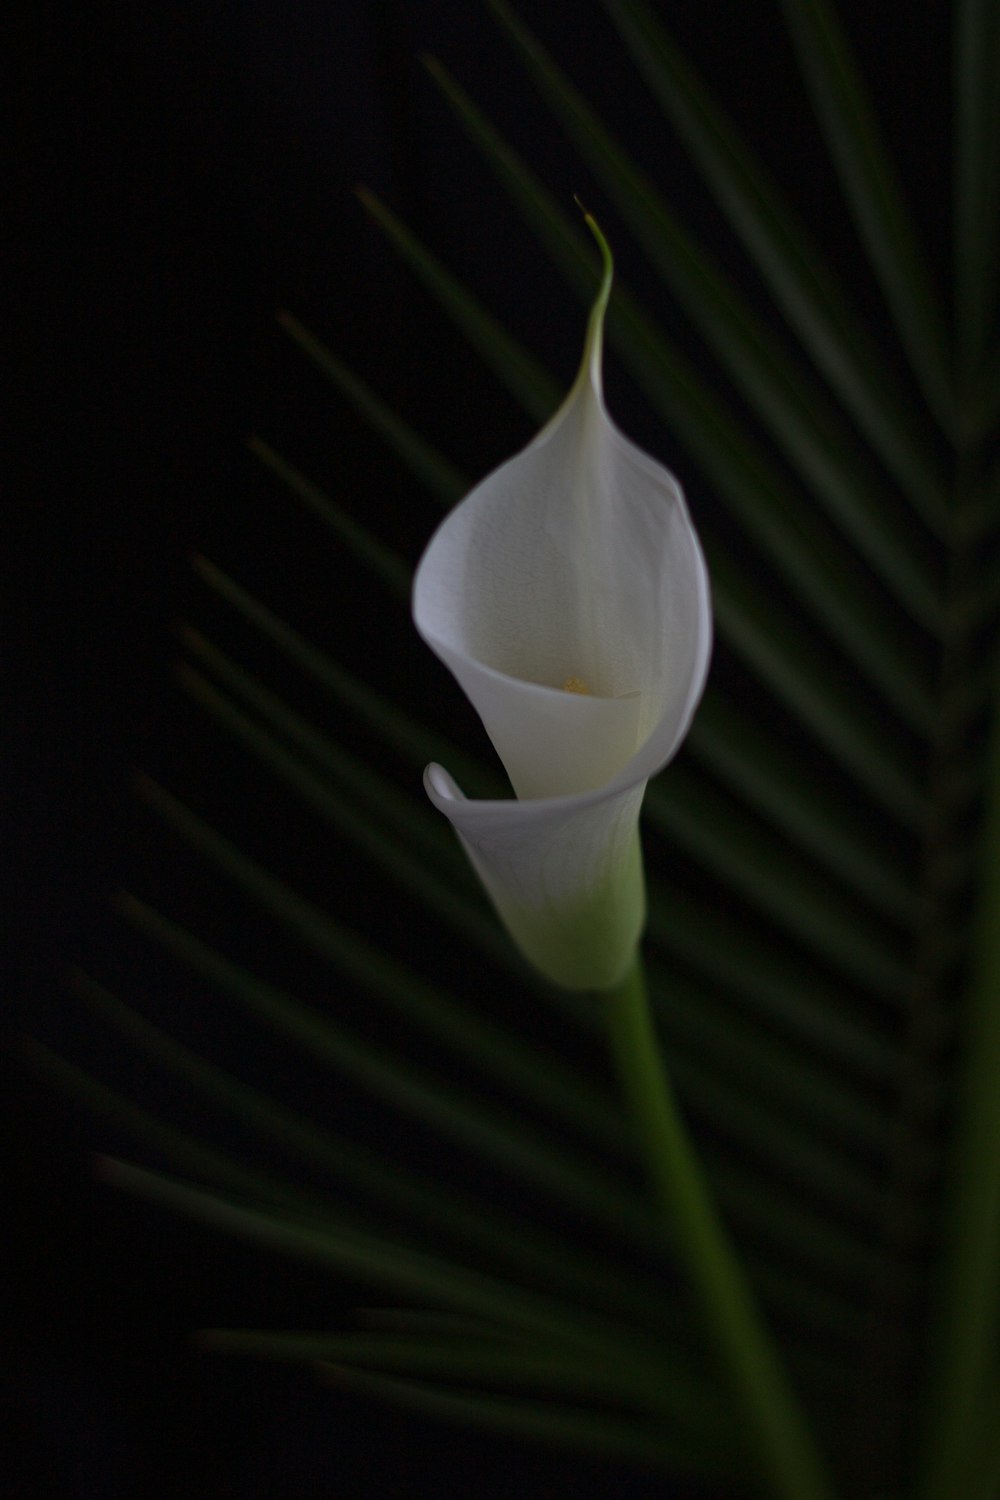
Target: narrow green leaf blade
{"x":872,"y":189}
{"x":481,"y":1361}
{"x":580,"y":1429}
{"x":440,"y":477}
{"x":387,"y":565}
{"x":976,"y":181}
{"x":793,"y":266}
{"x":519,"y":371}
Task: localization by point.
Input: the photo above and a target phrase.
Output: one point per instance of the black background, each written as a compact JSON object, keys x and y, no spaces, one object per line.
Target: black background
{"x":182,"y":173}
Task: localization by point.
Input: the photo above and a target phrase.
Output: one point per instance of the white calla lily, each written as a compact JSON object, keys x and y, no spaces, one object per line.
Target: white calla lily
{"x":568,"y":595}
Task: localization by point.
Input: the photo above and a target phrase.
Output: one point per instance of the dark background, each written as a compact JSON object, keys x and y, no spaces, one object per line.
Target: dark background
{"x":182,"y":173}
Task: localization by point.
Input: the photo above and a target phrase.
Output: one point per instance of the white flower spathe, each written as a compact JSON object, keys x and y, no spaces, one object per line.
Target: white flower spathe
{"x":568,"y":595}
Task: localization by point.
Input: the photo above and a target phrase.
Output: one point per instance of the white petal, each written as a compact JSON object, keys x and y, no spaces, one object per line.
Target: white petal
{"x":576,"y":560}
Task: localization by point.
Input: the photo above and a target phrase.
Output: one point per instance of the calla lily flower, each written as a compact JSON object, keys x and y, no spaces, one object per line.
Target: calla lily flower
{"x":568,"y":595}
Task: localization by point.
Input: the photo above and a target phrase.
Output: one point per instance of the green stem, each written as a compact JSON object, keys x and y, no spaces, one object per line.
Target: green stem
{"x":787,"y":1454}
{"x":968,"y":1314}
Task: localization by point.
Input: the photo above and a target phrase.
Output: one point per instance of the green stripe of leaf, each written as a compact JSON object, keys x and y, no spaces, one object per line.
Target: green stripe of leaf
{"x":482,"y":1361}
{"x":793,"y":267}
{"x":384,"y":563}
{"x":440,"y":477}
{"x":872,"y":190}
{"x":580,"y":1429}
{"x":514,"y":366}
{"x":976,"y":179}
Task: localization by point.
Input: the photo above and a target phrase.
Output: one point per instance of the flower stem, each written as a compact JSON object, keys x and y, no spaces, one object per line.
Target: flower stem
{"x":787,"y":1455}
